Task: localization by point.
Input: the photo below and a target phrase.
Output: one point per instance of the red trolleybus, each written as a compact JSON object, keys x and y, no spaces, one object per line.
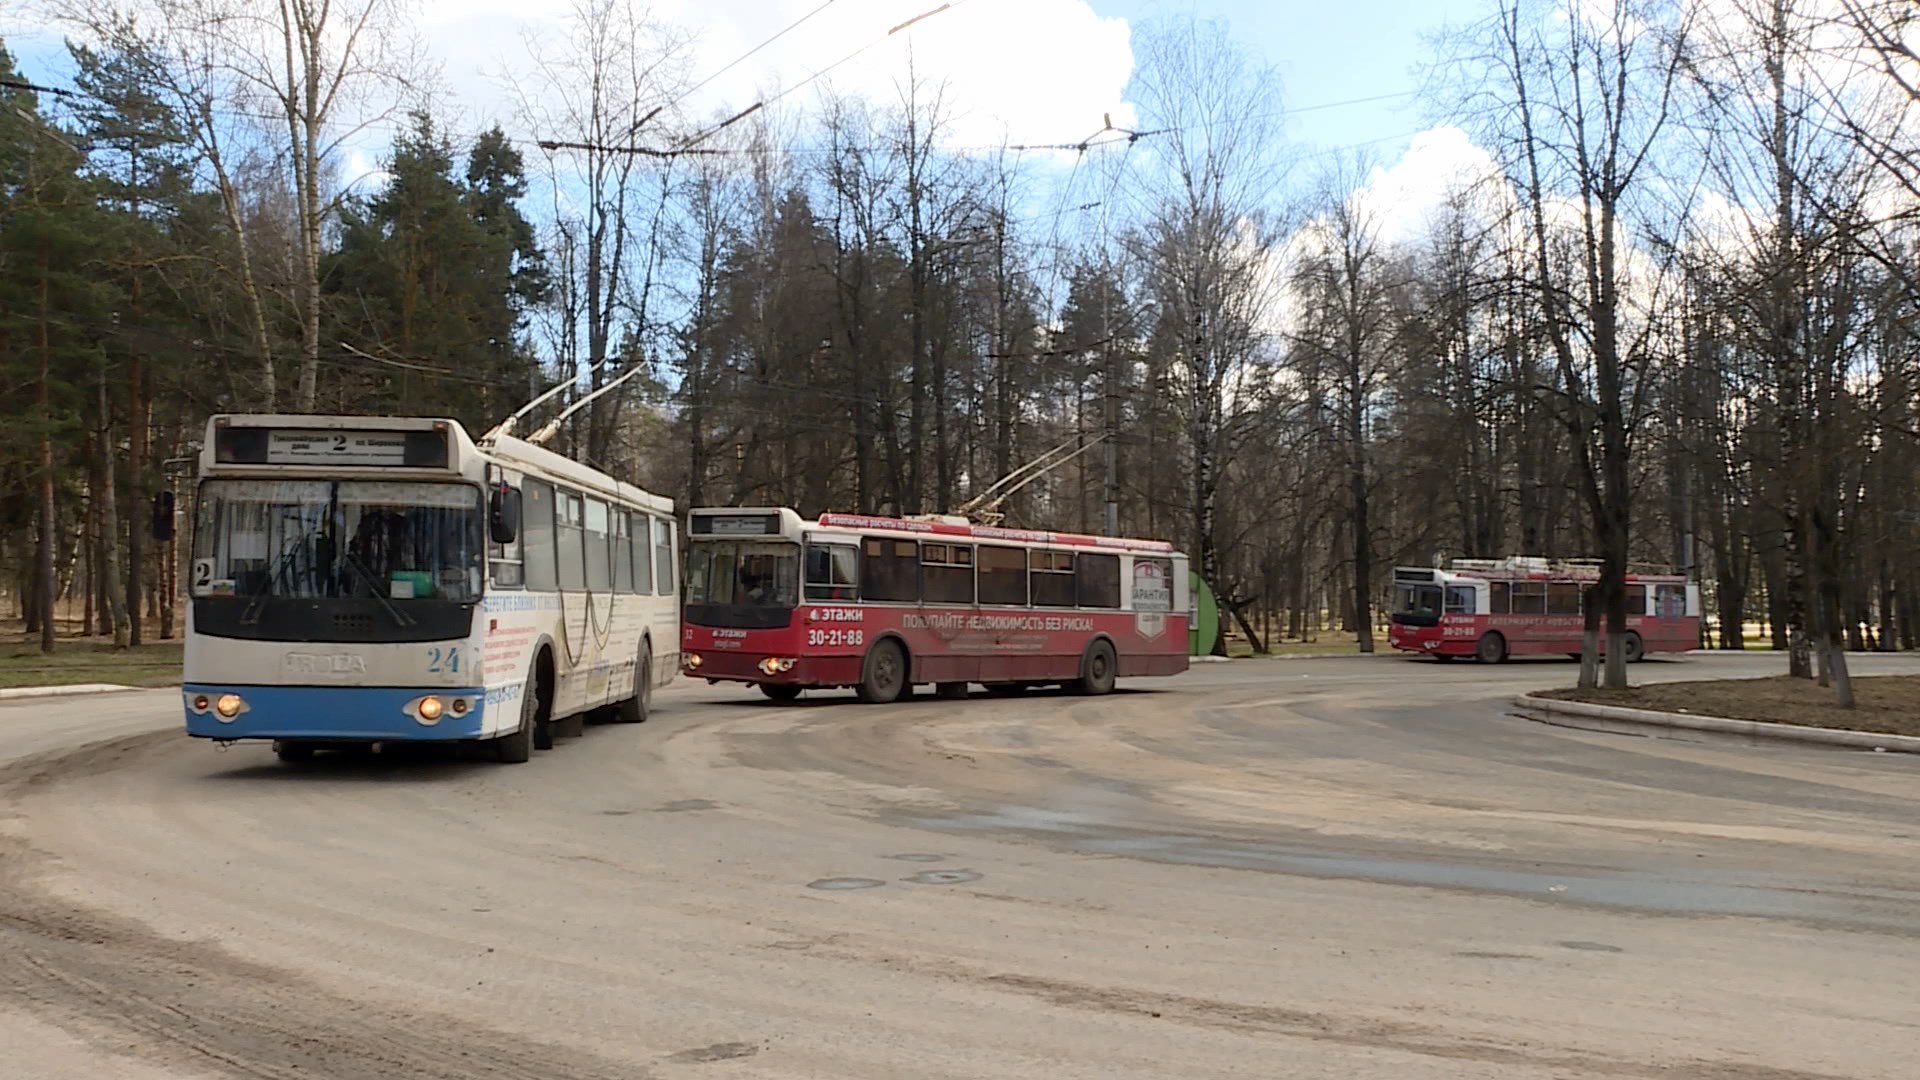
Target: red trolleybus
{"x":1492,"y":609}
{"x":881,"y":604}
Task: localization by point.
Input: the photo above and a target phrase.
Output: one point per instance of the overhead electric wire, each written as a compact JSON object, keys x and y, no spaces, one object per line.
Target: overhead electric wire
{"x":742,"y":58}
{"x":691,"y":144}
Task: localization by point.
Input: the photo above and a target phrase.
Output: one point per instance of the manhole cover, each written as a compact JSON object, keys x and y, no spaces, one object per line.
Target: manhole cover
{"x":943,"y":877}
{"x":916,"y":857}
{"x":841,"y":884}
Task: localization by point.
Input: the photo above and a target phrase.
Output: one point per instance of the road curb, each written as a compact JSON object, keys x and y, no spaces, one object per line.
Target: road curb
{"x":1617,"y":718}
{"x":27,"y":693}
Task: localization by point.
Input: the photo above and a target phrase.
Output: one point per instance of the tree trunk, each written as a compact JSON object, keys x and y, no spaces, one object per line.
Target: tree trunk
{"x":113,"y":589}
{"x":1590,"y":610}
{"x":137,"y":513}
{"x":44,"y":557}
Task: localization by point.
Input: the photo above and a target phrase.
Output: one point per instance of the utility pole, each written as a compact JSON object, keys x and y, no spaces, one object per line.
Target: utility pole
{"x":1112,"y":411}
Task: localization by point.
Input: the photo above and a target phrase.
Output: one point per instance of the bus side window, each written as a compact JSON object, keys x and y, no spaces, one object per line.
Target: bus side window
{"x":1051,"y":578}
{"x":1460,"y":600}
{"x":642,"y":554}
{"x":506,"y":568}
{"x":947,"y":573}
{"x":1636,"y":599}
{"x":570,"y":540}
{"x":830,"y":571}
{"x":663,"y":558}
{"x":1671,"y":601}
{"x":1097,"y":581}
{"x":1003,"y":575}
{"x":890,"y":570}
{"x":536,"y":529}
{"x":621,"y":547}
{"x":1563,"y":598}
{"x":1497,"y":603}
{"x":599,"y":546}
{"x":1529,"y":598}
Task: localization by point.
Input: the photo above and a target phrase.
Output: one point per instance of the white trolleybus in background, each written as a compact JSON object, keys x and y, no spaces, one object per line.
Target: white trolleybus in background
{"x":362,"y":580}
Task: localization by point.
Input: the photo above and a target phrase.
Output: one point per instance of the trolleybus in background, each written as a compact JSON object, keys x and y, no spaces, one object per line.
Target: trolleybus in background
{"x":1492,"y":609}
{"x":360,"y":580}
{"x":880,"y":604}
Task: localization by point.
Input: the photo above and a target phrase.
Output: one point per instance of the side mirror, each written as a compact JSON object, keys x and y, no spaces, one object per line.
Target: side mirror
{"x":503,"y":514}
{"x":163,"y":516}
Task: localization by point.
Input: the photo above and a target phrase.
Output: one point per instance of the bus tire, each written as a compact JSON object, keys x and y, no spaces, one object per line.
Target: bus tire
{"x":1491,"y":648}
{"x":951,"y":691}
{"x":784,"y":693}
{"x":1098,"y":669}
{"x":1636,"y":649}
{"x":635,"y":709}
{"x":516,"y":746}
{"x":883,"y":677}
{"x":293,"y":753}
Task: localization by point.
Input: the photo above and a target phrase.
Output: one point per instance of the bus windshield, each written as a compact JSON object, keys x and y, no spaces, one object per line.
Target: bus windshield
{"x":1416,"y":605}
{"x":314,"y":539}
{"x":743,"y":574}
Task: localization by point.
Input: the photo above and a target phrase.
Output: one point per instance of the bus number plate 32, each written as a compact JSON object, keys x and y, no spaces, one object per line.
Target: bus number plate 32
{"x":835,"y":637}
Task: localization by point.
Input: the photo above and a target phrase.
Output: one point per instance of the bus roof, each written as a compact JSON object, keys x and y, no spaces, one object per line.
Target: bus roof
{"x":528,"y":457}
{"x":1582,"y":570}
{"x":954,"y":526}
{"x":462,"y":455}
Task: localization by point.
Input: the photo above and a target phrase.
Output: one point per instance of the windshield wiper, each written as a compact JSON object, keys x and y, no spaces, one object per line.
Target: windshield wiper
{"x":257,"y":600}
{"x":400,"y":618}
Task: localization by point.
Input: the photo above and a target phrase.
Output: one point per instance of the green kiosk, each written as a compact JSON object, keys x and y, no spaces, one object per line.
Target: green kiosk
{"x":1203,"y":619}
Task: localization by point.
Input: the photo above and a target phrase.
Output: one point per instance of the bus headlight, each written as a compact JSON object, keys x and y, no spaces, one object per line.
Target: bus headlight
{"x":199,"y":703}
{"x":694,"y":661}
{"x":428,"y":710}
{"x":229,"y":706}
{"x":774,"y":665}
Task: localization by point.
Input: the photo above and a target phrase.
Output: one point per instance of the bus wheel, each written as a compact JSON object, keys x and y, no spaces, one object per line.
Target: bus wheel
{"x":293,"y":753}
{"x":1636,"y":649}
{"x":1492,"y":649}
{"x":1097,"y":669}
{"x":884,"y":676}
{"x":517,"y":746}
{"x":634,"y":710}
{"x":781,"y":692}
{"x":951,"y":691}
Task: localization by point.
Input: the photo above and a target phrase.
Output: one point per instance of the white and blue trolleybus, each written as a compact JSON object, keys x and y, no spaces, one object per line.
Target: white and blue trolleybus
{"x":363,"y":580}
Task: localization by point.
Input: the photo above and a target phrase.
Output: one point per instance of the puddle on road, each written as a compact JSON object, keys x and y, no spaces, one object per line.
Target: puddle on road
{"x":843,"y":884}
{"x":1696,"y":896}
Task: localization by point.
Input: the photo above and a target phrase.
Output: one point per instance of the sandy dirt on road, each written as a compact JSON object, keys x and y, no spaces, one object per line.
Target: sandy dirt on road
{"x":1114,"y":889}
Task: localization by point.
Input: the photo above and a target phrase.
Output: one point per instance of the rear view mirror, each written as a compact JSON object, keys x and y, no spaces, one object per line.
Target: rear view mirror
{"x":503,"y":514}
{"x":163,"y":516}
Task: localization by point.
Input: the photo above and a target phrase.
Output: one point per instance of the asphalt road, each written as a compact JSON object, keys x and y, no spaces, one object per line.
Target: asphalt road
{"x":1338,"y":868}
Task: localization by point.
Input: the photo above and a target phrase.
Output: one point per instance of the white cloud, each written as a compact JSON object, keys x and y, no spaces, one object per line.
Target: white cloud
{"x":1030,"y":70}
{"x":1438,"y":164}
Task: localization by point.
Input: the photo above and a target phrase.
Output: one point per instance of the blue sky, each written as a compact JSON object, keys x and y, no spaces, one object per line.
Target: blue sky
{"x":1332,"y":51}
{"x":1030,"y":70}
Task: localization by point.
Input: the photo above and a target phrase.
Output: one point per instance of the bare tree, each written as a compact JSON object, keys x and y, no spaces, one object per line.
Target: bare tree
{"x":1208,"y":243}
{"x":1589,"y":92}
{"x":189,"y":65}
{"x":1346,"y":281}
{"x":606,"y":88}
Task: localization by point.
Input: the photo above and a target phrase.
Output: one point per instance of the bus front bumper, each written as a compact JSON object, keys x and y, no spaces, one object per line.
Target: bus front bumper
{"x":1426,"y":639}
{"x":352,"y":714}
{"x":728,"y":666}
